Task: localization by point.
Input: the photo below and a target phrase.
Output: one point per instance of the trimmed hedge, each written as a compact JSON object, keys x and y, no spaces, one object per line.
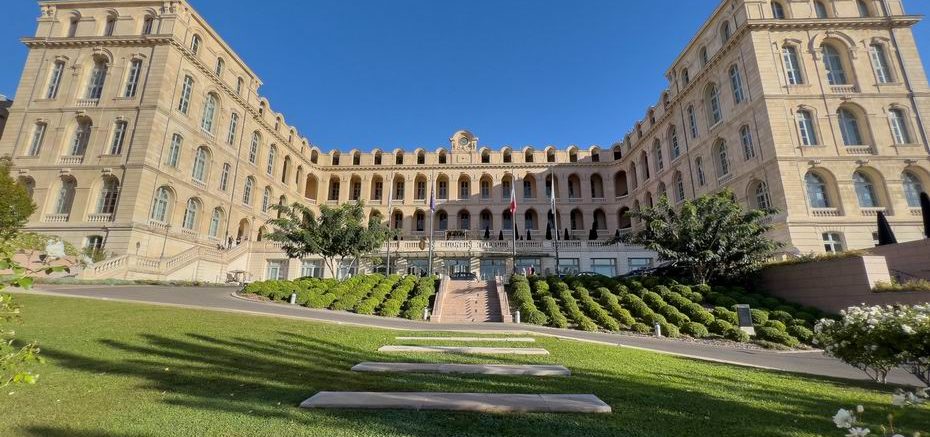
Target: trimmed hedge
{"x":522,"y":297}
{"x":556,"y":318}
{"x":425,"y":289}
{"x":695,"y":330}
{"x":596,"y":311}
{"x":610,"y":301}
{"x":571,"y":307}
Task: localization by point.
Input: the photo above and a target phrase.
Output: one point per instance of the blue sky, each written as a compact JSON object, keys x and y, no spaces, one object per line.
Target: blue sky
{"x":408,"y":73}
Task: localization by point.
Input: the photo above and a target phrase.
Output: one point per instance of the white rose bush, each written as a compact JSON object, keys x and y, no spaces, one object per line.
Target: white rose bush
{"x":878,"y":339}
{"x":854,"y":425}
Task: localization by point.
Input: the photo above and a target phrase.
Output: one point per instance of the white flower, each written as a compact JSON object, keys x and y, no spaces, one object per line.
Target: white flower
{"x":860,"y":409}
{"x":858,"y":432}
{"x":844,"y":419}
{"x":55,"y":249}
{"x":907,"y":329}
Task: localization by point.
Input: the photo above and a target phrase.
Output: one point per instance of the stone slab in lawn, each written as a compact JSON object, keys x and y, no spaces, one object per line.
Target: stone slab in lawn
{"x":477,"y":402}
{"x":472,"y":339}
{"x":466,"y":350}
{"x":470,"y":369}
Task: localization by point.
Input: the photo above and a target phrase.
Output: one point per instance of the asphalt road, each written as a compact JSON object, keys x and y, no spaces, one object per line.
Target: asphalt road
{"x":222,"y":299}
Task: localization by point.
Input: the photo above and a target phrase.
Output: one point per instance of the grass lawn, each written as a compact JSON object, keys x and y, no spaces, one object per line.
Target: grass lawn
{"x":117,"y":369}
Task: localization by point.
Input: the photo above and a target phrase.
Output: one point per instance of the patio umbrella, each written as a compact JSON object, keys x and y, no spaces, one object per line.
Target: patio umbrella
{"x":549,"y":231}
{"x":885,"y":234}
{"x":592,"y":234}
{"x":617,"y":234}
{"x":925,"y":212}
{"x":566,"y":235}
{"x":501,"y":235}
{"x":528,"y":236}
{"x":487,"y":232}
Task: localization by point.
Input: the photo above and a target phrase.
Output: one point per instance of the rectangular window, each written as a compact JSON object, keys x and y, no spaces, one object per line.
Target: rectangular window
{"x":147,"y":25}
{"x":399,"y":189}
{"x":186,"y":89}
{"x":442,"y":190}
{"x":119,"y":134}
{"x":692,"y":122}
{"x":233,"y":126}
{"x":97,"y":78}
{"x":879,"y":63}
{"x":277,"y":270}
{"x":792,"y":67}
{"x":38,"y":137}
{"x":569,"y":266}
{"x":311,"y":269}
{"x":55,"y":80}
{"x":174,"y":152}
{"x":636,"y":264}
{"x":378,"y":191}
{"x":604,"y":266}
{"x":421,"y":190}
{"x":505,"y":190}
{"x":736,"y":81}
{"x":132,"y":80}
{"x":806,"y":129}
{"x":676,"y":149}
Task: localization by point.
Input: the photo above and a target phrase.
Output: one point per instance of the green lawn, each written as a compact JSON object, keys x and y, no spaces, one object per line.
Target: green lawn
{"x":118,"y":369}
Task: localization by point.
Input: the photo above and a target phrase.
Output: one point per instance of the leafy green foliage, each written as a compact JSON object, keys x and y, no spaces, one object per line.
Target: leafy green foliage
{"x":710,"y":237}
{"x":15,"y":203}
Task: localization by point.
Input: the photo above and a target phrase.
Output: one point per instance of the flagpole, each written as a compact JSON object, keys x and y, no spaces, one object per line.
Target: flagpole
{"x":513,"y":218}
{"x":432,"y":212}
{"x":390,"y":220}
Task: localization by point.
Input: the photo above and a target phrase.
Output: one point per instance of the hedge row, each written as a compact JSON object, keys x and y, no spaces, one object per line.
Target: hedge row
{"x":424,"y":290}
{"x":522,"y":298}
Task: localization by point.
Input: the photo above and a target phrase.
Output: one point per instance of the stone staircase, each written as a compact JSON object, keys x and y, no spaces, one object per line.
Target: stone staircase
{"x":470,"y":302}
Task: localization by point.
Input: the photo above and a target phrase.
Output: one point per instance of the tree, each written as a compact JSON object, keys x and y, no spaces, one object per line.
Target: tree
{"x":339,"y":232}
{"x":710,"y":238}
{"x":15,"y":203}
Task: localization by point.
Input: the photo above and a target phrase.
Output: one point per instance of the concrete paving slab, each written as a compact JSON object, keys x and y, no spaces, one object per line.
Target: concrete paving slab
{"x":476,"y":402}
{"x":472,"y":339}
{"x":468,"y":369}
{"x":466,"y":350}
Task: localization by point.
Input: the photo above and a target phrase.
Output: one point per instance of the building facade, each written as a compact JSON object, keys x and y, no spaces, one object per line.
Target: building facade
{"x":141,"y":133}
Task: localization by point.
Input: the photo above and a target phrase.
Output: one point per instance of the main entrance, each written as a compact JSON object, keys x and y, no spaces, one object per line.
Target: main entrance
{"x":457,"y":265}
{"x":492,"y":267}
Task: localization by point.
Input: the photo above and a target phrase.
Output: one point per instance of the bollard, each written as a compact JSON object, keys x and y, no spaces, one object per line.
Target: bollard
{"x":293,"y":299}
{"x":658,"y":329}
{"x":425,"y":313}
{"x":516,"y":317}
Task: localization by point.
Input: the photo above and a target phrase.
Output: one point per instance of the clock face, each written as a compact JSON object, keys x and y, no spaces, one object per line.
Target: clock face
{"x":463,"y":141}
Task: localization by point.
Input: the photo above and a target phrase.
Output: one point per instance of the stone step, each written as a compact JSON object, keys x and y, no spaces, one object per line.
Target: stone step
{"x":472,"y":339}
{"x":476,"y":402}
{"x":467,"y":369}
{"x":465,"y":350}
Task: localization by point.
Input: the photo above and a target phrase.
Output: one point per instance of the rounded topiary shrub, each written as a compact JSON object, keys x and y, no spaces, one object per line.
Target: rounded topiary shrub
{"x":702,"y":288}
{"x":681,"y":289}
{"x":641,"y":328}
{"x":773,"y":335}
{"x":653,"y":299}
{"x":759,"y":317}
{"x":673,"y":316}
{"x":720,"y":326}
{"x":737,"y":335}
{"x":777,"y":325}
{"x":697,"y":313}
{"x":801,"y":333}
{"x":695,"y":330}
{"x":725,"y":315}
{"x":781,"y":316}
{"x":725,"y":301}
{"x":537,"y":318}
{"x":651,"y":319}
{"x":661,"y":290}
{"x":669,"y":330}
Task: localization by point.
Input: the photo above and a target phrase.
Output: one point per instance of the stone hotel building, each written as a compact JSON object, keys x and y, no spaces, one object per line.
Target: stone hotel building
{"x":139,"y":131}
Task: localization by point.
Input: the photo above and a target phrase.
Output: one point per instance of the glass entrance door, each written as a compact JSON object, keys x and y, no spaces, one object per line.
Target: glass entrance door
{"x":458,"y":265}
{"x":491,"y":268}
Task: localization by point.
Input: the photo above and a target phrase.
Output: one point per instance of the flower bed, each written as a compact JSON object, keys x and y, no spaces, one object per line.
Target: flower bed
{"x":376,"y":294}
{"x":702,"y":311}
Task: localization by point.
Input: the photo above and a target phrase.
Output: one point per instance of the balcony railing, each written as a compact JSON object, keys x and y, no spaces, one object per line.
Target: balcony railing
{"x":825,"y":212}
{"x":100,"y":217}
{"x":844,"y":89}
{"x":872,"y":212}
{"x":915,"y":211}
{"x":70,"y":160}
{"x":55,"y":218}
{"x":860,"y":150}
{"x":87,"y":103}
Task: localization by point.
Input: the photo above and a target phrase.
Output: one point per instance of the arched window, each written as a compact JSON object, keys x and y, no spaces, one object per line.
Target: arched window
{"x":442,"y":157}
{"x":54,"y":79}
{"x":160,"y":205}
{"x":528,"y":155}
{"x":464,"y":220}
{"x":464,"y":188}
{"x":377,"y":157}
{"x":912,"y":189}
{"x":356,"y":158}
{"x":184,"y":100}
{"x":272,"y":157}
{"x":174,"y":150}
{"x":704,"y":57}
{"x":399,"y":158}
{"x":806,"y":128}
{"x":233,"y":128}
{"x":849,"y":128}
{"x":148,"y":25}
{"x":864,"y":11}
{"x":97,"y":78}
{"x":314,"y":156}
{"x":761,"y":196}
{"x":485,"y":186}
{"x":81,"y":138}
{"x":443,"y":218}
{"x":821,"y":9}
{"x":865,"y":190}
{"x":507,"y":157}
{"x":657,"y":155}
{"x":880,"y":63}
{"x":220,"y":66}
{"x":73,"y":25}
{"x":216,"y":219}
{"x":736,"y":82}
{"x":190,"y":214}
{"x":685,"y":77}
{"x":132,"y":78}
{"x":419,"y":221}
{"x":673,"y":142}
{"x":200,"y":164}
{"x":714,"y":112}
{"x":597,"y":186}
{"x":833,"y":62}
{"x":209,"y":113}
{"x":572,"y":155}
{"x":679,"y":187}
{"x":816,"y":191}
{"x":421,"y":158}
{"x":778,"y":11}
{"x":253,"y":147}
{"x":334,"y":188}
{"x":38,"y":137}
{"x":266,"y":199}
{"x":195,"y":44}
{"x":699,"y":168}
{"x":725,"y":32}
{"x":109,"y":193}
{"x":240,"y":82}
{"x":247,"y":190}
{"x":723,"y":159}
{"x":485,"y":157}
{"x":65,"y":195}
{"x":899,"y":128}
{"x":792,"y":65}
{"x":745,"y":136}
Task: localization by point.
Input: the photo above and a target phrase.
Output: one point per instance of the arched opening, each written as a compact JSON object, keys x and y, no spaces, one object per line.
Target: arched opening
{"x":355,"y":188}
{"x":550,"y":155}
{"x":577,"y":220}
{"x":464,"y":220}
{"x":442,"y":220}
{"x":356,"y":158}
{"x":399,"y":185}
{"x":311,"y":187}
{"x":442,"y":187}
{"x":464,"y":185}
{"x":597,"y":187}
{"x":623,"y":219}
{"x":485,"y":156}
{"x":485,"y":184}
{"x":419,"y":187}
{"x":377,"y":188}
{"x":529,"y":187}
{"x":507,"y":156}
{"x":442,"y":156}
{"x":243,"y":231}
{"x":621,"y":189}
{"x":334,"y":188}
{"x":552,"y":183}
{"x":486,"y":220}
{"x":600,"y":220}
{"x":574,"y":186}
{"x":528,"y":155}
{"x":421,"y":157}
{"x":530,"y":220}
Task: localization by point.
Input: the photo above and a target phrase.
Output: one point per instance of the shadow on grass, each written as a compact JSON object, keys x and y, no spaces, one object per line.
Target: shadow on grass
{"x":265,"y":379}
